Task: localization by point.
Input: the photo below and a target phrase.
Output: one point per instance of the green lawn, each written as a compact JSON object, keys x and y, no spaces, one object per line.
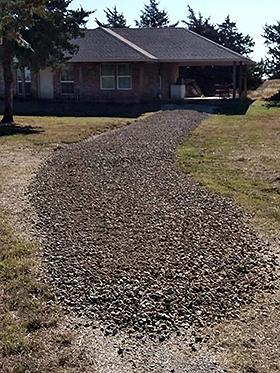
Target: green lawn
{"x":239,"y":157}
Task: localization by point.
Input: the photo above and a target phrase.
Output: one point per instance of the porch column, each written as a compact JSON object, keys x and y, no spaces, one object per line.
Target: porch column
{"x":240,"y":80}
{"x":245,"y":90}
{"x":234,"y":80}
{"x":141,"y":80}
{"x":80,"y":81}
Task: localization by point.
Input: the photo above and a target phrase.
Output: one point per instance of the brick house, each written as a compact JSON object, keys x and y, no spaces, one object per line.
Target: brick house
{"x":129,"y":65}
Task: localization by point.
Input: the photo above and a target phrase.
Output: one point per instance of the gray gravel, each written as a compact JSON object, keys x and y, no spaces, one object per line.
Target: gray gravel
{"x":134,"y":243}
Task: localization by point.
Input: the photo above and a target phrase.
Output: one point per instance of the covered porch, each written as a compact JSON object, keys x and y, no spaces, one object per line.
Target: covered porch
{"x":209,"y":81}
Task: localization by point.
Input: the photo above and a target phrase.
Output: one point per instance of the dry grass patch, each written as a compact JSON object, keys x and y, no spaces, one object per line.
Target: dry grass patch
{"x":51,"y":130}
{"x":25,"y":313}
{"x":251,"y":343}
{"x":268,"y":89}
{"x":33,"y":337}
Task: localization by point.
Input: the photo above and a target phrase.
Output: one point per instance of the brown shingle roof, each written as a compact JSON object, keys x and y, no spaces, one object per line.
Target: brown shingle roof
{"x":152,"y":44}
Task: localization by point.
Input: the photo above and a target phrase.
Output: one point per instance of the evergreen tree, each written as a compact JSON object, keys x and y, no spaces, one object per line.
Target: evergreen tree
{"x":272,"y":41}
{"x":226,"y":33}
{"x":37,"y":33}
{"x":230,"y":37}
{"x":256,"y":74}
{"x":114,"y":19}
{"x":201,"y":25}
{"x":152,"y":16}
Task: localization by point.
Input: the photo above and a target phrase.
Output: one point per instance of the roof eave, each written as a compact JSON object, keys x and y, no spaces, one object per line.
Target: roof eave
{"x":207,"y":62}
{"x":104,"y":60}
{"x":196,"y":62}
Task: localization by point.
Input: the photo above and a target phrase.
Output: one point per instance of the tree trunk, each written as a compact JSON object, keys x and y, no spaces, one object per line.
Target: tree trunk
{"x":9,"y":94}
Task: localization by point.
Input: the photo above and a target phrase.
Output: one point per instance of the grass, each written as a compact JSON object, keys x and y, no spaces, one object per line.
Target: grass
{"x":31,"y":338}
{"x":23,"y":307}
{"x":238,"y":156}
{"x":32,"y":131}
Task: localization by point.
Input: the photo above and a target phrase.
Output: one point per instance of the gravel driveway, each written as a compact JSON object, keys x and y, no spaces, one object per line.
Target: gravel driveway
{"x":134,"y":243}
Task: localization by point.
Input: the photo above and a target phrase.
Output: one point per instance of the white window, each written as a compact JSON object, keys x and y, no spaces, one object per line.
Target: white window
{"x":24,"y":81}
{"x":124,"y":78}
{"x":107,"y":76}
{"x":27,"y":81}
{"x":67,"y":80}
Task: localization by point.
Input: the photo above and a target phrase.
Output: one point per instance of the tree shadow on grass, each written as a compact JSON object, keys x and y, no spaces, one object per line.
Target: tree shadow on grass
{"x":224,"y":107}
{"x":235,"y":107}
{"x":44,"y":108}
{"x":14,"y":129}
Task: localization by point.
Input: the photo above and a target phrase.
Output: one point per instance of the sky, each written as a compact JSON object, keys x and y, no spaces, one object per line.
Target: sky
{"x":250,"y":15}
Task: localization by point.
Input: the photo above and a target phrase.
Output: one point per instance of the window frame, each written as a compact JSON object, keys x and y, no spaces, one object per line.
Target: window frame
{"x":108,"y":76}
{"x":67,"y":81}
{"x":23,"y":81}
{"x":118,"y":76}
{"x":20,"y":82}
{"x":27,"y":81}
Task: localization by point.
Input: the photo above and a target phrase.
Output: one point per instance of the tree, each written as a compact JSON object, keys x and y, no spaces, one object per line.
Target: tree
{"x":13,"y":16}
{"x":201,"y":25}
{"x":114,"y":19}
{"x":152,"y":16}
{"x":230,"y":37}
{"x":37,"y":33}
{"x":225,"y":34}
{"x":272,"y":41}
{"x":256,"y":74}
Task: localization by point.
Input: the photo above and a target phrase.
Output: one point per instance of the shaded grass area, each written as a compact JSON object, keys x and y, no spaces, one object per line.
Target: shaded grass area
{"x":31,"y":336}
{"x":35,"y":107}
{"x":274,"y":101}
{"x":239,"y":157}
{"x":218,"y":106}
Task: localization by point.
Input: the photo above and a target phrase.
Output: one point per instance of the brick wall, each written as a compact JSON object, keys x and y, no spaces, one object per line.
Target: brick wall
{"x":150,"y":82}
{"x":145,"y":84}
{"x":169,"y":73}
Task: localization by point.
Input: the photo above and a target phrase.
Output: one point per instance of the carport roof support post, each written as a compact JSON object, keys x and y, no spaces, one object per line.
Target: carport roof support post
{"x":234,"y":75}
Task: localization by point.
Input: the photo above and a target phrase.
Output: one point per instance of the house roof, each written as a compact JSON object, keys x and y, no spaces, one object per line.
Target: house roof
{"x":152,"y":44}
{"x":99,"y":46}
